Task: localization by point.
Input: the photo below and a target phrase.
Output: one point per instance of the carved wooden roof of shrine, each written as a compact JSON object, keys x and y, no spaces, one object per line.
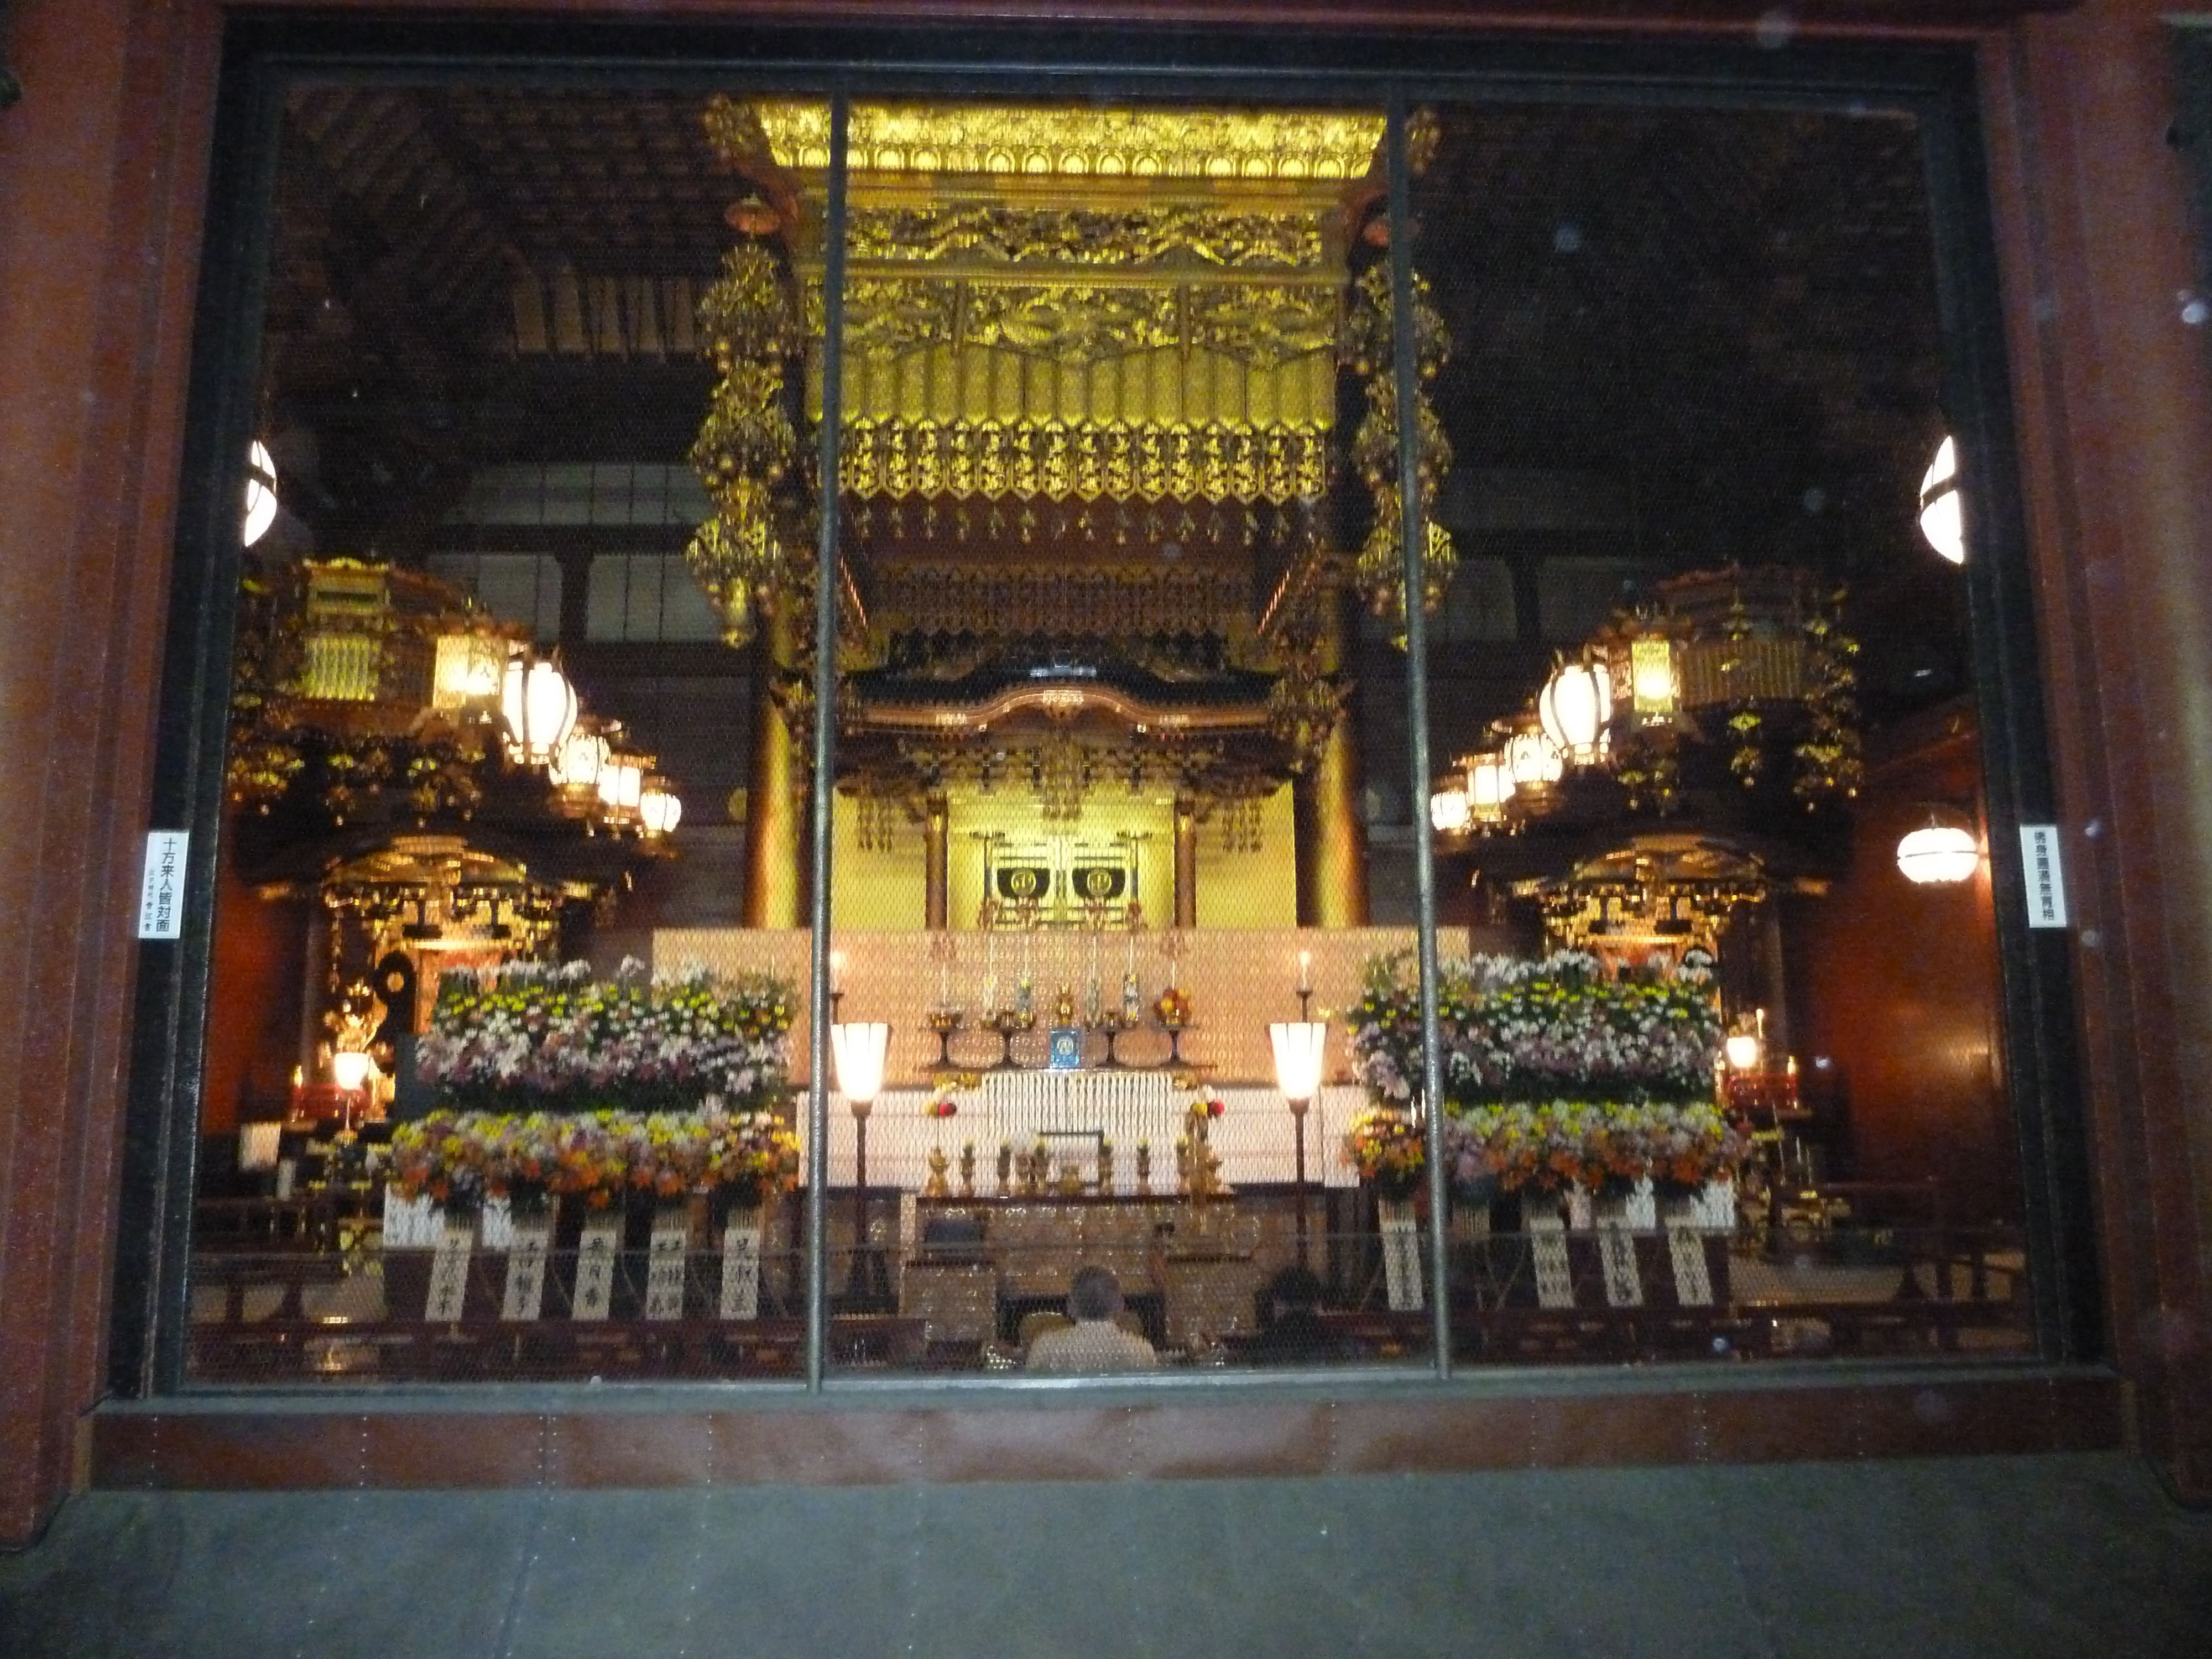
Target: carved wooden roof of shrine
{"x":426,"y":232}
{"x":1725,"y":317}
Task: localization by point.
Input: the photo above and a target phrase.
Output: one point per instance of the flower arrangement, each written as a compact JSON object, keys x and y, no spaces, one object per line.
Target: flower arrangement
{"x":1552,"y":1144}
{"x":1172,"y":1009}
{"x":1386,"y":1148}
{"x":462,"y":1158}
{"x":1553,"y":1074}
{"x":1516,"y":1029}
{"x":943,"y":1106}
{"x":553,"y":1039}
{"x":1208,"y":1107}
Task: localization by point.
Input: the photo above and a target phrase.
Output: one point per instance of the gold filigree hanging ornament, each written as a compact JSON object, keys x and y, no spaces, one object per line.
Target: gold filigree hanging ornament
{"x":1306,"y":702}
{"x":1368,"y":341}
{"x":747,"y":447}
{"x":1829,"y":764}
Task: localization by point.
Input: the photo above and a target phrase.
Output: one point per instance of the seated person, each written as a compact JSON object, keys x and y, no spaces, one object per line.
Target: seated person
{"x":1094,"y":1342}
{"x":1291,"y":1332}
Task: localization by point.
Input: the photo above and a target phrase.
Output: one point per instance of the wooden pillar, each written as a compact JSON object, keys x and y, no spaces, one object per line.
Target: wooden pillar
{"x":936,"y":862}
{"x":775,"y":834}
{"x":1186,"y":861}
{"x":1331,"y":842}
{"x":103,"y":171}
{"x":2113,"y":411}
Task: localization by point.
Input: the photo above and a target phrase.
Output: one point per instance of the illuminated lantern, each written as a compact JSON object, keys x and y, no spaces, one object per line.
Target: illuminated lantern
{"x":1942,"y":518}
{"x":540,"y":707}
{"x":622,"y":782}
{"x":1576,"y":707}
{"x":858,"y":1051}
{"x":577,"y":764}
{"x":350,"y":1068}
{"x":1939,"y":855}
{"x":658,"y":807}
{"x":1489,"y":784}
{"x":1654,"y":688}
{"x":1533,"y":760}
{"x":1448,"y":812}
{"x":261,"y":492}
{"x":1299,"y":1048}
{"x":469,"y":673}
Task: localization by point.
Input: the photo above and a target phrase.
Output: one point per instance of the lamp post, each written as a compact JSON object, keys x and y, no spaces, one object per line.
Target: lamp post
{"x":859,"y":1051}
{"x":1299,"y":1047}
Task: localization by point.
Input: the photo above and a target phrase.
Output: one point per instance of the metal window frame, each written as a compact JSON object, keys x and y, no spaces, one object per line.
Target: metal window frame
{"x":264,"y":58}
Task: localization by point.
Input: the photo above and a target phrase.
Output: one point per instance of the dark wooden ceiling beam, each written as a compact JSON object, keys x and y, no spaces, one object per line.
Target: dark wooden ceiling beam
{"x":1889,"y":20}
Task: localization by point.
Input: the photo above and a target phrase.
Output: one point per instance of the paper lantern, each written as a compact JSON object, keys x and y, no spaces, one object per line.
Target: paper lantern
{"x":1939,"y":855}
{"x":578,"y":764}
{"x":658,"y":808}
{"x":1533,"y":760}
{"x":1489,"y":785}
{"x":622,"y":782}
{"x":1575,"y":708}
{"x":260,"y":491}
{"x":1942,"y":516}
{"x":540,"y":708}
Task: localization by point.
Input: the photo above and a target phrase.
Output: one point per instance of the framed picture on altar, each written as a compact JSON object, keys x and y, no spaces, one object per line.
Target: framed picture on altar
{"x":1065,"y":1052}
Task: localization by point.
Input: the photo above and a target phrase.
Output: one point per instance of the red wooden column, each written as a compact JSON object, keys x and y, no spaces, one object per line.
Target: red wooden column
{"x":2114,"y":391}
{"x":101,"y":176}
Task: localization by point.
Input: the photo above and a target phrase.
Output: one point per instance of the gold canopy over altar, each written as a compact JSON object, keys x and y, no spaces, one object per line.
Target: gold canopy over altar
{"x":1089,"y":621}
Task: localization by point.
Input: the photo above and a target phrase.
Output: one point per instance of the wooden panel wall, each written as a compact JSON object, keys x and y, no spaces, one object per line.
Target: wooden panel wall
{"x":260,"y":984}
{"x":1894,"y":987}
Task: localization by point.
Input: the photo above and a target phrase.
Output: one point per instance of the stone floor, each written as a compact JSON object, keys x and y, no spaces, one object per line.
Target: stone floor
{"x":2016,"y":1556}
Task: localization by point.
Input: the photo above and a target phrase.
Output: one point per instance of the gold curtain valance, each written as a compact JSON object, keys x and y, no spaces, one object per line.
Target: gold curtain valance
{"x":1053,"y":461}
{"x":1134,"y":602}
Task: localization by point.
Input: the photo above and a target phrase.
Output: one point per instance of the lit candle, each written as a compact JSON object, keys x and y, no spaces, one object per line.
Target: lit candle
{"x":1306,"y":972}
{"x":945,"y":971}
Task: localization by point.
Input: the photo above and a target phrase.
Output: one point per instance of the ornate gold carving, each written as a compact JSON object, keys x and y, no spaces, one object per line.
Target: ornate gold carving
{"x":1188,"y":387}
{"x":1261,"y":326}
{"x":1003,"y":233}
{"x":1071,"y":323}
{"x":1134,"y":602}
{"x":1056,"y":462}
{"x":1369,"y":342}
{"x":1115,"y":603}
{"x":747,"y":445}
{"x":1306,"y":702}
{"x":1067,"y":141}
{"x":886,"y":316}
